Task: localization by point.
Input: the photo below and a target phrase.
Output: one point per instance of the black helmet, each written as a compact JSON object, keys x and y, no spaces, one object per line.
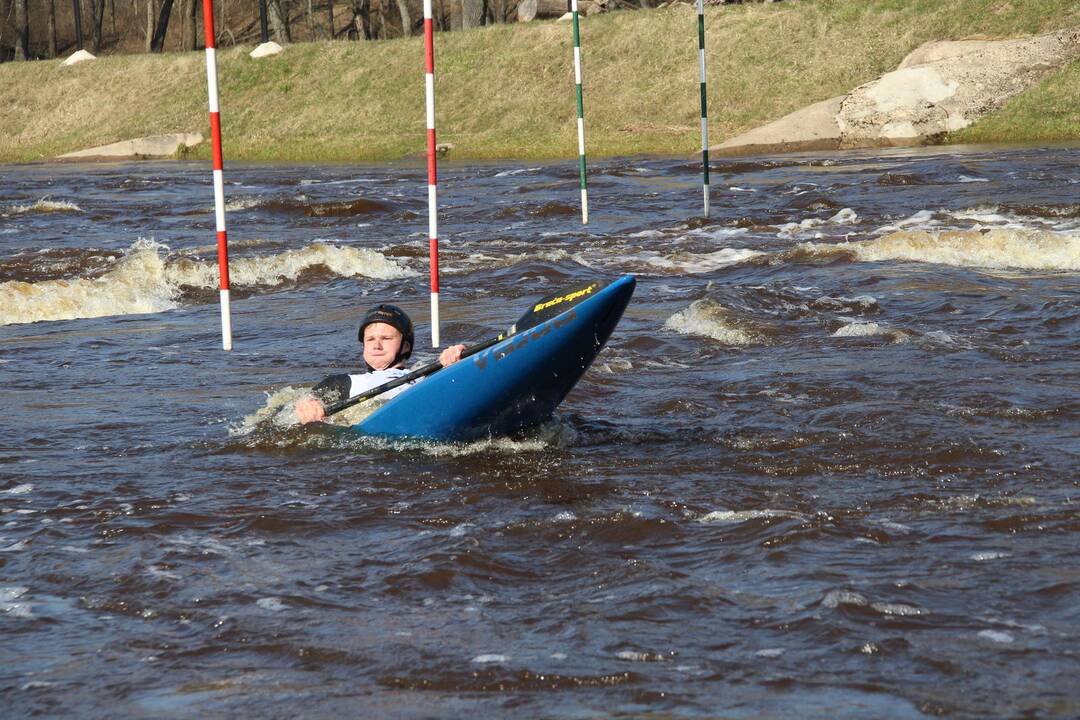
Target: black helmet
{"x":396,"y":318}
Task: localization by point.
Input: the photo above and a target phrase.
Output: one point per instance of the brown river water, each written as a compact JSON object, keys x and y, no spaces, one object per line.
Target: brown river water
{"x":827,"y":466}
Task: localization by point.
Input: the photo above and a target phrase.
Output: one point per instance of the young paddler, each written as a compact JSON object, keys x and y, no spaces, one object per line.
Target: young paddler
{"x":387,"y":334}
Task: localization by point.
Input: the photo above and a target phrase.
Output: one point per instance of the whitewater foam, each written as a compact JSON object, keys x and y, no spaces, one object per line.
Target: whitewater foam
{"x":847,"y":216}
{"x":693,"y":264}
{"x":148,"y":278}
{"x":741,"y":516}
{"x":712,"y":320}
{"x":997,"y":249}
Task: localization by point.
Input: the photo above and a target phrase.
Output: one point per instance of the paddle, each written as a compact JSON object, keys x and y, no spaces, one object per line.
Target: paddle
{"x":542,"y":311}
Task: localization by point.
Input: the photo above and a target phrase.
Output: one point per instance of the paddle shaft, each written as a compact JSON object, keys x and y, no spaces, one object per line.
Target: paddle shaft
{"x":405,"y":379}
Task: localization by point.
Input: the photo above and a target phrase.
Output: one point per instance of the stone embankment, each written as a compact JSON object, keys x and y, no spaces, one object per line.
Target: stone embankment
{"x":155,"y":146}
{"x":939,"y":88}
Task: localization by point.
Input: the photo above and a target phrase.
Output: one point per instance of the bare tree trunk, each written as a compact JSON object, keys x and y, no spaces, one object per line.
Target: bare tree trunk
{"x":278,"y":22}
{"x":76,"y":10}
{"x":384,"y":19}
{"x":97,"y":12}
{"x":52,"y":28}
{"x":149,"y":23}
{"x":310,"y":20}
{"x":157,"y":44}
{"x":191,"y":41}
{"x":472,"y":13}
{"x":361,"y":21}
{"x":22,"y":31}
{"x":330,"y":17}
{"x":406,"y":20}
{"x":264,"y":34}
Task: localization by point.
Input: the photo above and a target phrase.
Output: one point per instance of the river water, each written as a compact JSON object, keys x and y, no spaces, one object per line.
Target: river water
{"x":827,"y":466}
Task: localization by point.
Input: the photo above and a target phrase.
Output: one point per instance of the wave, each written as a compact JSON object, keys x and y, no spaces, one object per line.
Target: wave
{"x":694,"y":264}
{"x":56,"y":263}
{"x":846,"y":216}
{"x":712,"y":320}
{"x":303,"y":206}
{"x":44,"y":205}
{"x":998,"y":249}
{"x":149,"y":278}
{"x":337,"y":208}
{"x":741,"y":516}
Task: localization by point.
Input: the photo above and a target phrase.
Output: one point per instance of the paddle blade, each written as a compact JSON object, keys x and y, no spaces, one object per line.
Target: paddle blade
{"x":556,"y":304}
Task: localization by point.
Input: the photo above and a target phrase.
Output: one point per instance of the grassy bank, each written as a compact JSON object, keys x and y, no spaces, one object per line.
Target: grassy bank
{"x":507,"y":90}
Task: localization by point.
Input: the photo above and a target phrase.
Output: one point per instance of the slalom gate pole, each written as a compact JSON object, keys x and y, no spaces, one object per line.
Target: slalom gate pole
{"x":433,"y":223}
{"x":704,"y":106}
{"x":580,"y":116}
{"x":219,"y":182}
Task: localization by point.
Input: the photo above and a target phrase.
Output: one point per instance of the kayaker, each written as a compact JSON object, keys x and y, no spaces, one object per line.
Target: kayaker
{"x":387,"y":334}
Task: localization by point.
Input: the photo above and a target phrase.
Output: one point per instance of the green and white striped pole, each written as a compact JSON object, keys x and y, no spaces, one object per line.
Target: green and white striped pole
{"x":580,"y":115}
{"x":704,"y":105}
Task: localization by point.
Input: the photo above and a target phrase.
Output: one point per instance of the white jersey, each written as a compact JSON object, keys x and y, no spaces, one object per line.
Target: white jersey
{"x":338,"y":388}
{"x":366,"y":381}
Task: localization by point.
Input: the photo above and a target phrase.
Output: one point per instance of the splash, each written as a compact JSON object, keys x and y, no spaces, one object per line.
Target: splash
{"x":712,"y":320}
{"x":275,"y":426}
{"x":278,"y":413}
{"x":869,"y":329}
{"x":149,"y":278}
{"x":996,"y":249}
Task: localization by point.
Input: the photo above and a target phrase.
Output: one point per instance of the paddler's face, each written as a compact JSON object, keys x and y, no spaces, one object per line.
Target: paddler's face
{"x":381,"y":345}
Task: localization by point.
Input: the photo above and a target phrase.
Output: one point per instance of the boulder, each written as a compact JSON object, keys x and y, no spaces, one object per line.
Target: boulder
{"x":267,"y":49}
{"x":155,"y":146}
{"x":77,"y":57}
{"x":938,"y":88}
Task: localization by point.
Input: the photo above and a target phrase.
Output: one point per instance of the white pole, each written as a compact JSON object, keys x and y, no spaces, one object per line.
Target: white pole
{"x":219,"y":181}
{"x":433,"y":223}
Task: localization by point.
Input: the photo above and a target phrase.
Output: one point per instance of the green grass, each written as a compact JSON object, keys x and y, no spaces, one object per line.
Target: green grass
{"x":1047,"y":113}
{"x":507,"y":91}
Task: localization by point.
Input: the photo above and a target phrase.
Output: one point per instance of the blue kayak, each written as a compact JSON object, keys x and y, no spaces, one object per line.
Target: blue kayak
{"x":513,"y":384}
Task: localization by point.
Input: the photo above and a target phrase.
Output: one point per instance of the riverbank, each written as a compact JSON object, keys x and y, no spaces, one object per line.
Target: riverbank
{"x":507,"y":90}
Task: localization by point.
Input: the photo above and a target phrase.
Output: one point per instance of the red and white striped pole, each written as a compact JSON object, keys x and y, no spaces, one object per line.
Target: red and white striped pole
{"x":433,"y":224}
{"x":219,"y":181}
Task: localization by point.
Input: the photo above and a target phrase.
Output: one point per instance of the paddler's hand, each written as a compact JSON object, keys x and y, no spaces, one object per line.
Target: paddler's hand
{"x":451,"y":355}
{"x":309,"y":409}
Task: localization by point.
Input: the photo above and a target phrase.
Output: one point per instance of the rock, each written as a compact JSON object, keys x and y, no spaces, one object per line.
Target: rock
{"x":938,"y":88}
{"x":566,"y":18}
{"x":77,"y":57}
{"x":266,"y":50}
{"x":812,"y":128}
{"x":945,"y":86}
{"x":155,"y":146}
